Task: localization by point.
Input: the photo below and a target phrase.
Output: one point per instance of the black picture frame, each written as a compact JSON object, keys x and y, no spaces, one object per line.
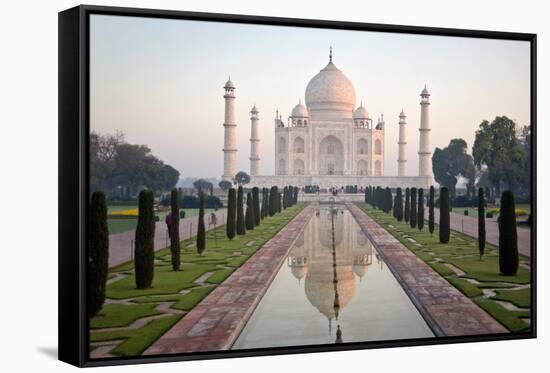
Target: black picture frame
{"x":74,"y":129}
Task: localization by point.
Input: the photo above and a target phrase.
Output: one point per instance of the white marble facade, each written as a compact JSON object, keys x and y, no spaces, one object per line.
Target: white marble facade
{"x":331,"y":142}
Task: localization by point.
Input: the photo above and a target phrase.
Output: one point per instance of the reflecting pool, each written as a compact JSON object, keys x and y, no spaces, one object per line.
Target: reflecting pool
{"x":333,"y":288}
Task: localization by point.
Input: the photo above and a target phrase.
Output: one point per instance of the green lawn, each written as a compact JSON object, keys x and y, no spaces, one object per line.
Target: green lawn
{"x":122,"y":225}
{"x":221,"y":257}
{"x":462,"y":253}
{"x":472,"y":211}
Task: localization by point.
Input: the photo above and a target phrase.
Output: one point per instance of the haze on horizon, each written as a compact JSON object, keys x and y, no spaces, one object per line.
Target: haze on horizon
{"x":160,"y":82}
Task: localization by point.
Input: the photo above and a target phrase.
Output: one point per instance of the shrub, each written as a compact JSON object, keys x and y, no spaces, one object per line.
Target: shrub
{"x":256,"y":203}
{"x":420,"y":221}
{"x":249,"y":215}
{"x":507,"y":235}
{"x":241,"y":229}
{"x":182,"y":214}
{"x":444,"y":216}
{"x":231,"y":213}
{"x":489,"y":215}
{"x":157,"y":218}
{"x":144,"y":241}
{"x":466,"y":213}
{"x":98,"y":254}
{"x":431,"y":217}
{"x":413,"y":212}
{"x":407,"y":205}
{"x":174,"y":230}
{"x":201,"y":230}
{"x":481,"y":222}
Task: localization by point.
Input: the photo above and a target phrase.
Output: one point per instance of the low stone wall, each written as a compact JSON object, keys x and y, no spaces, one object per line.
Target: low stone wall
{"x":329,"y":181}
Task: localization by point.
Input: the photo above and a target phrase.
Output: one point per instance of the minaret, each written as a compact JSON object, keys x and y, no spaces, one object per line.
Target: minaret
{"x":402,"y":143}
{"x":230,"y":135}
{"x":254,"y":143}
{"x":424,"y":154}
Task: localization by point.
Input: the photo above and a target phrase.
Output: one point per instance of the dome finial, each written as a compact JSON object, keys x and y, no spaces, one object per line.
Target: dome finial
{"x":330,"y":55}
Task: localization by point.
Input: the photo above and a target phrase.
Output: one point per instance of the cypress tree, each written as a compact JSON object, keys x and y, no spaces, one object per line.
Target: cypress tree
{"x":279,"y":204}
{"x":366,"y":195}
{"x":175,"y":230}
{"x":272,"y":200}
{"x":256,"y":203}
{"x":201,"y":230}
{"x":431,"y":217}
{"x":389,"y":201}
{"x":507,"y":235}
{"x":295,"y":195}
{"x":407,"y":205}
{"x":481,"y":222}
{"x":263,"y":211}
{"x":444,"y":215}
{"x":241,"y":229}
{"x":249,"y":215}
{"x":98,"y":251}
{"x":413,"y":213}
{"x":420,"y":221}
{"x":144,"y":251}
{"x":399,"y":205}
{"x":231,"y":213}
{"x":285,"y":197}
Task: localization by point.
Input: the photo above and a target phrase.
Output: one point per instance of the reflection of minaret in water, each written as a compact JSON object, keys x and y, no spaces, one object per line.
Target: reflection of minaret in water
{"x":334,"y":212}
{"x":338,"y":335}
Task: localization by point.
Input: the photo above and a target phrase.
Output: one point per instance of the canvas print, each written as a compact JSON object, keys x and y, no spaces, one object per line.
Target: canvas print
{"x":259,"y":186}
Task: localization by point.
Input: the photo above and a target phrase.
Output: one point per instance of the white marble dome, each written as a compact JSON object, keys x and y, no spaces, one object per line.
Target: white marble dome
{"x":330,"y":91}
{"x":300,"y":111}
{"x":361,"y":113}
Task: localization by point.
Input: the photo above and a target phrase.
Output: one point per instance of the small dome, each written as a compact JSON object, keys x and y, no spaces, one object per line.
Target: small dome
{"x":229,"y":84}
{"x":300,"y":111}
{"x":361,"y":113}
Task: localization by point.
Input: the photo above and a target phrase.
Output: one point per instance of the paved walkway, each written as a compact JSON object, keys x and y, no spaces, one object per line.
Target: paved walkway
{"x":121,"y":244}
{"x":216,"y":322}
{"x":446,"y":310}
{"x":468,"y":226}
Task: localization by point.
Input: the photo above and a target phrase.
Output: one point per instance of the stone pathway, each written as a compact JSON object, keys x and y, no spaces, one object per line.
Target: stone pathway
{"x":446,"y":310}
{"x":468,"y":225}
{"x":120,"y":244}
{"x":216,"y":322}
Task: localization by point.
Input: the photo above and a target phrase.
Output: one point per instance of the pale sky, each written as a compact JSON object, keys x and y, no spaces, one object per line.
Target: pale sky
{"x":160,"y":82}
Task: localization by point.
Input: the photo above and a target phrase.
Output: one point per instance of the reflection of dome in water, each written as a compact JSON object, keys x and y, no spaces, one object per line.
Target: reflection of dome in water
{"x":319,"y":288}
{"x":298,"y":271}
{"x":360,"y":269}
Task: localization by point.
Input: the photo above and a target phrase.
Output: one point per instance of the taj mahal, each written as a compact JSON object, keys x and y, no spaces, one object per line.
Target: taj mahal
{"x":328,"y":142}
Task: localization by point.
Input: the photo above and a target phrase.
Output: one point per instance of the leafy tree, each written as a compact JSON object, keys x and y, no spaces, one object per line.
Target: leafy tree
{"x":413,"y":212}
{"x":420,"y":221}
{"x":98,"y":254}
{"x":201,"y":230}
{"x":249,"y":215}
{"x":225,"y":185}
{"x":398,"y":205}
{"x":202,"y":185}
{"x":508,"y":235}
{"x":175,"y":249}
{"x":242,"y":178}
{"x":498,"y":147}
{"x":256,"y":203}
{"x":241,"y":229}
{"x":431,"y":216}
{"x":451,"y":162}
{"x":231,"y":213}
{"x":145,"y":241}
{"x":444,"y":215}
{"x":481,"y":222}
{"x":407,"y":205}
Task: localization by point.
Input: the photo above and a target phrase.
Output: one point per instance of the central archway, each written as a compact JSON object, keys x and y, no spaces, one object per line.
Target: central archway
{"x":331,"y":156}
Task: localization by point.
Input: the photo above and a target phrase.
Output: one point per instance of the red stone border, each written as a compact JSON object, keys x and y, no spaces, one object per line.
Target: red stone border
{"x":216,"y":322}
{"x":446,"y":310}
